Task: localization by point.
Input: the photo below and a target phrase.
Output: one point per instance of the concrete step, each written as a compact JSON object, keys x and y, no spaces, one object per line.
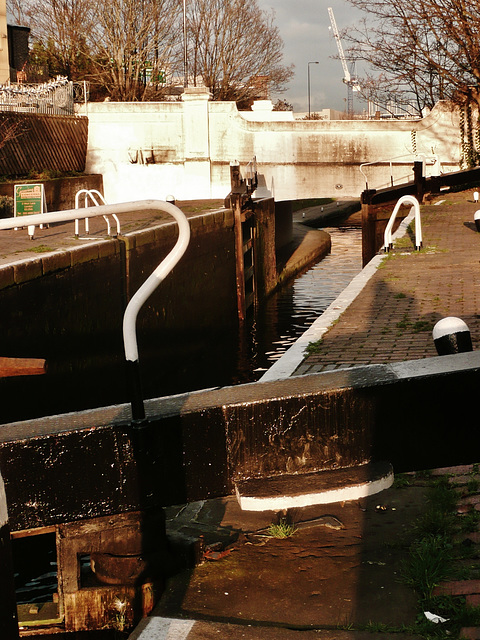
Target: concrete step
{"x":277,"y":493}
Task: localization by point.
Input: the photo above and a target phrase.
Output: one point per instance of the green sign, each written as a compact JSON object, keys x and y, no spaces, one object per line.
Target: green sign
{"x":29,"y":199}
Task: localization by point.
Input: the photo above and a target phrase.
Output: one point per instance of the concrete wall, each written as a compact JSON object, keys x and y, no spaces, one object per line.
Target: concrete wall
{"x":149,"y":150}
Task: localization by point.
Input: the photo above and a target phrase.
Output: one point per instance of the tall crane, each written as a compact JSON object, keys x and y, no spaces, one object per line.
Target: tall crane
{"x":348,"y":79}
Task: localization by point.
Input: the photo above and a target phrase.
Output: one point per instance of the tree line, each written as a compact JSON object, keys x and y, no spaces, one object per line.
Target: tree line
{"x":418,"y":52}
{"x":143,"y":49}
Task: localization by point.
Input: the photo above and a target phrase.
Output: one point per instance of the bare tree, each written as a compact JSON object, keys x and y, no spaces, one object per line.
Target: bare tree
{"x":61,"y":31}
{"x":135,"y":44}
{"x":16,"y":12}
{"x":235,"y":49}
{"x":128,"y":48}
{"x":420,"y":52}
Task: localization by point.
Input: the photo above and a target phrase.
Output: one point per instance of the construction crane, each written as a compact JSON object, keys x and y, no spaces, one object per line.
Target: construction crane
{"x":348,"y":79}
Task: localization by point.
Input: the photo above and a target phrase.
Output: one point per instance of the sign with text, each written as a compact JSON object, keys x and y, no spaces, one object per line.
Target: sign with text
{"x":29,"y":199}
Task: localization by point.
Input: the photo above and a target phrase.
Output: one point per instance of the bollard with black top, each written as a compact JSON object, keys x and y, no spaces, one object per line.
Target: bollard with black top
{"x":452,"y":335}
{"x":476,"y":218}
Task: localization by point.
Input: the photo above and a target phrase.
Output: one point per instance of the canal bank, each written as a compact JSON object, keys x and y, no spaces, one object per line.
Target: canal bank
{"x":388,"y":311}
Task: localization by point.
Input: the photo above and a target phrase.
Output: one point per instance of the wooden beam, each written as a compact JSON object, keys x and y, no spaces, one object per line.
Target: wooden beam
{"x":10,"y":367}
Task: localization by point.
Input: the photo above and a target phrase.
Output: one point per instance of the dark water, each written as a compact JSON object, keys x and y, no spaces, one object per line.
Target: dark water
{"x":291,"y":311}
{"x":85,"y":375}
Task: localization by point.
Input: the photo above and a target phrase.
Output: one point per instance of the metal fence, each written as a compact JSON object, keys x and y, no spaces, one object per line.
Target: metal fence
{"x":35,"y":142}
{"x":56,"y":97}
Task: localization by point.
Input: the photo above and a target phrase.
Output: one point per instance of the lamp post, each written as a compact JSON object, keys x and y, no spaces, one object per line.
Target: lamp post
{"x":185,"y":59}
{"x":308,"y":83}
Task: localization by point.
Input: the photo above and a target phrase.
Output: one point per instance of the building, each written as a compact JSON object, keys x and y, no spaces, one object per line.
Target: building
{"x":4,"y":61}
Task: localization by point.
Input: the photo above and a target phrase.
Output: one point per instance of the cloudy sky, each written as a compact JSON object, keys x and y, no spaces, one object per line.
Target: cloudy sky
{"x":304,"y":27}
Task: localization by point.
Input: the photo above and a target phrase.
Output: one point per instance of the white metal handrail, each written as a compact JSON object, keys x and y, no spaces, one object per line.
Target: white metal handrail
{"x":93,"y":194}
{"x":396,"y":161}
{"x":389,"y":161}
{"x":152,"y":282}
{"x":148,"y":287}
{"x":90,"y":212}
{"x":387,"y":238}
{"x":140,"y":297}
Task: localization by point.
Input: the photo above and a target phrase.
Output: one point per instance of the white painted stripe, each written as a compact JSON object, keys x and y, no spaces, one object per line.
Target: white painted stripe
{"x":3,"y":504}
{"x":156,"y":628}
{"x":293,"y":357}
{"x":323,"y":497}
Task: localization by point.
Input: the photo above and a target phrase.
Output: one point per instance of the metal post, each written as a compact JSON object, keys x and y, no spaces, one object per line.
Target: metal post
{"x":236,"y":205}
{"x":369,"y":226}
{"x":308,"y":85}
{"x":185,"y":57}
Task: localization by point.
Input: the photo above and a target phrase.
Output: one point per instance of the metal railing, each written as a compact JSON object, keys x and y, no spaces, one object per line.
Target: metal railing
{"x":387,"y":238}
{"x":140,"y":297}
{"x":54,"y":98}
{"x":389,"y":161}
{"x":96,"y":197}
{"x":432,"y":160}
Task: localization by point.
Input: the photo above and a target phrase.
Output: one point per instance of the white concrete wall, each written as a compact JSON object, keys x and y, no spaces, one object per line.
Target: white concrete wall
{"x":194,"y":141}
{"x":4,"y":63}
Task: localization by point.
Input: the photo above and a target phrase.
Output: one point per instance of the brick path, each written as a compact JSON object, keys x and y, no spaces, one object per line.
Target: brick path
{"x":393,"y":317}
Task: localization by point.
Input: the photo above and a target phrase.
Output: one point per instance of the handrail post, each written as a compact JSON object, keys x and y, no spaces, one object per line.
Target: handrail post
{"x":419,"y":179}
{"x":387,"y":238}
{"x":369,"y":226}
{"x":140,"y":297}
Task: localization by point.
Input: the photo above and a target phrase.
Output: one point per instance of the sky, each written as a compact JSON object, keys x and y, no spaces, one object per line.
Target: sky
{"x":304,"y":27}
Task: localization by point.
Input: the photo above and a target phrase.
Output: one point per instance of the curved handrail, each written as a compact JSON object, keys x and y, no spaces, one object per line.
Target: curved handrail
{"x":155,"y":278}
{"x":387,"y":238}
{"x":140,"y":297}
{"x":88,"y":212}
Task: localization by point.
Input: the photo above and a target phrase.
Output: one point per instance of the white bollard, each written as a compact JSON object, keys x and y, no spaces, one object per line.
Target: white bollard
{"x":475,"y":196}
{"x":452,"y":335}
{"x":476,"y":217}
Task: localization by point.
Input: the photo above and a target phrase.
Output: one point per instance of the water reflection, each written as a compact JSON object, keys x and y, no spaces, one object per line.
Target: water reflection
{"x":289,"y":313}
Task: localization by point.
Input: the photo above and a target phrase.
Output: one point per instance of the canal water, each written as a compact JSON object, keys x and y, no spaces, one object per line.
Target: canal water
{"x":202,"y":361}
{"x":285,"y":316}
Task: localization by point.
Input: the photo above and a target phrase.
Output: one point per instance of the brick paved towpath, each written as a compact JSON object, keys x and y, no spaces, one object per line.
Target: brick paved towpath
{"x":391,"y":319}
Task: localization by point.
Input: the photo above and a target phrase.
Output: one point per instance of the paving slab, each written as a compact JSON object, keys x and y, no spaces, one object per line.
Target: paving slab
{"x":338,"y":577}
